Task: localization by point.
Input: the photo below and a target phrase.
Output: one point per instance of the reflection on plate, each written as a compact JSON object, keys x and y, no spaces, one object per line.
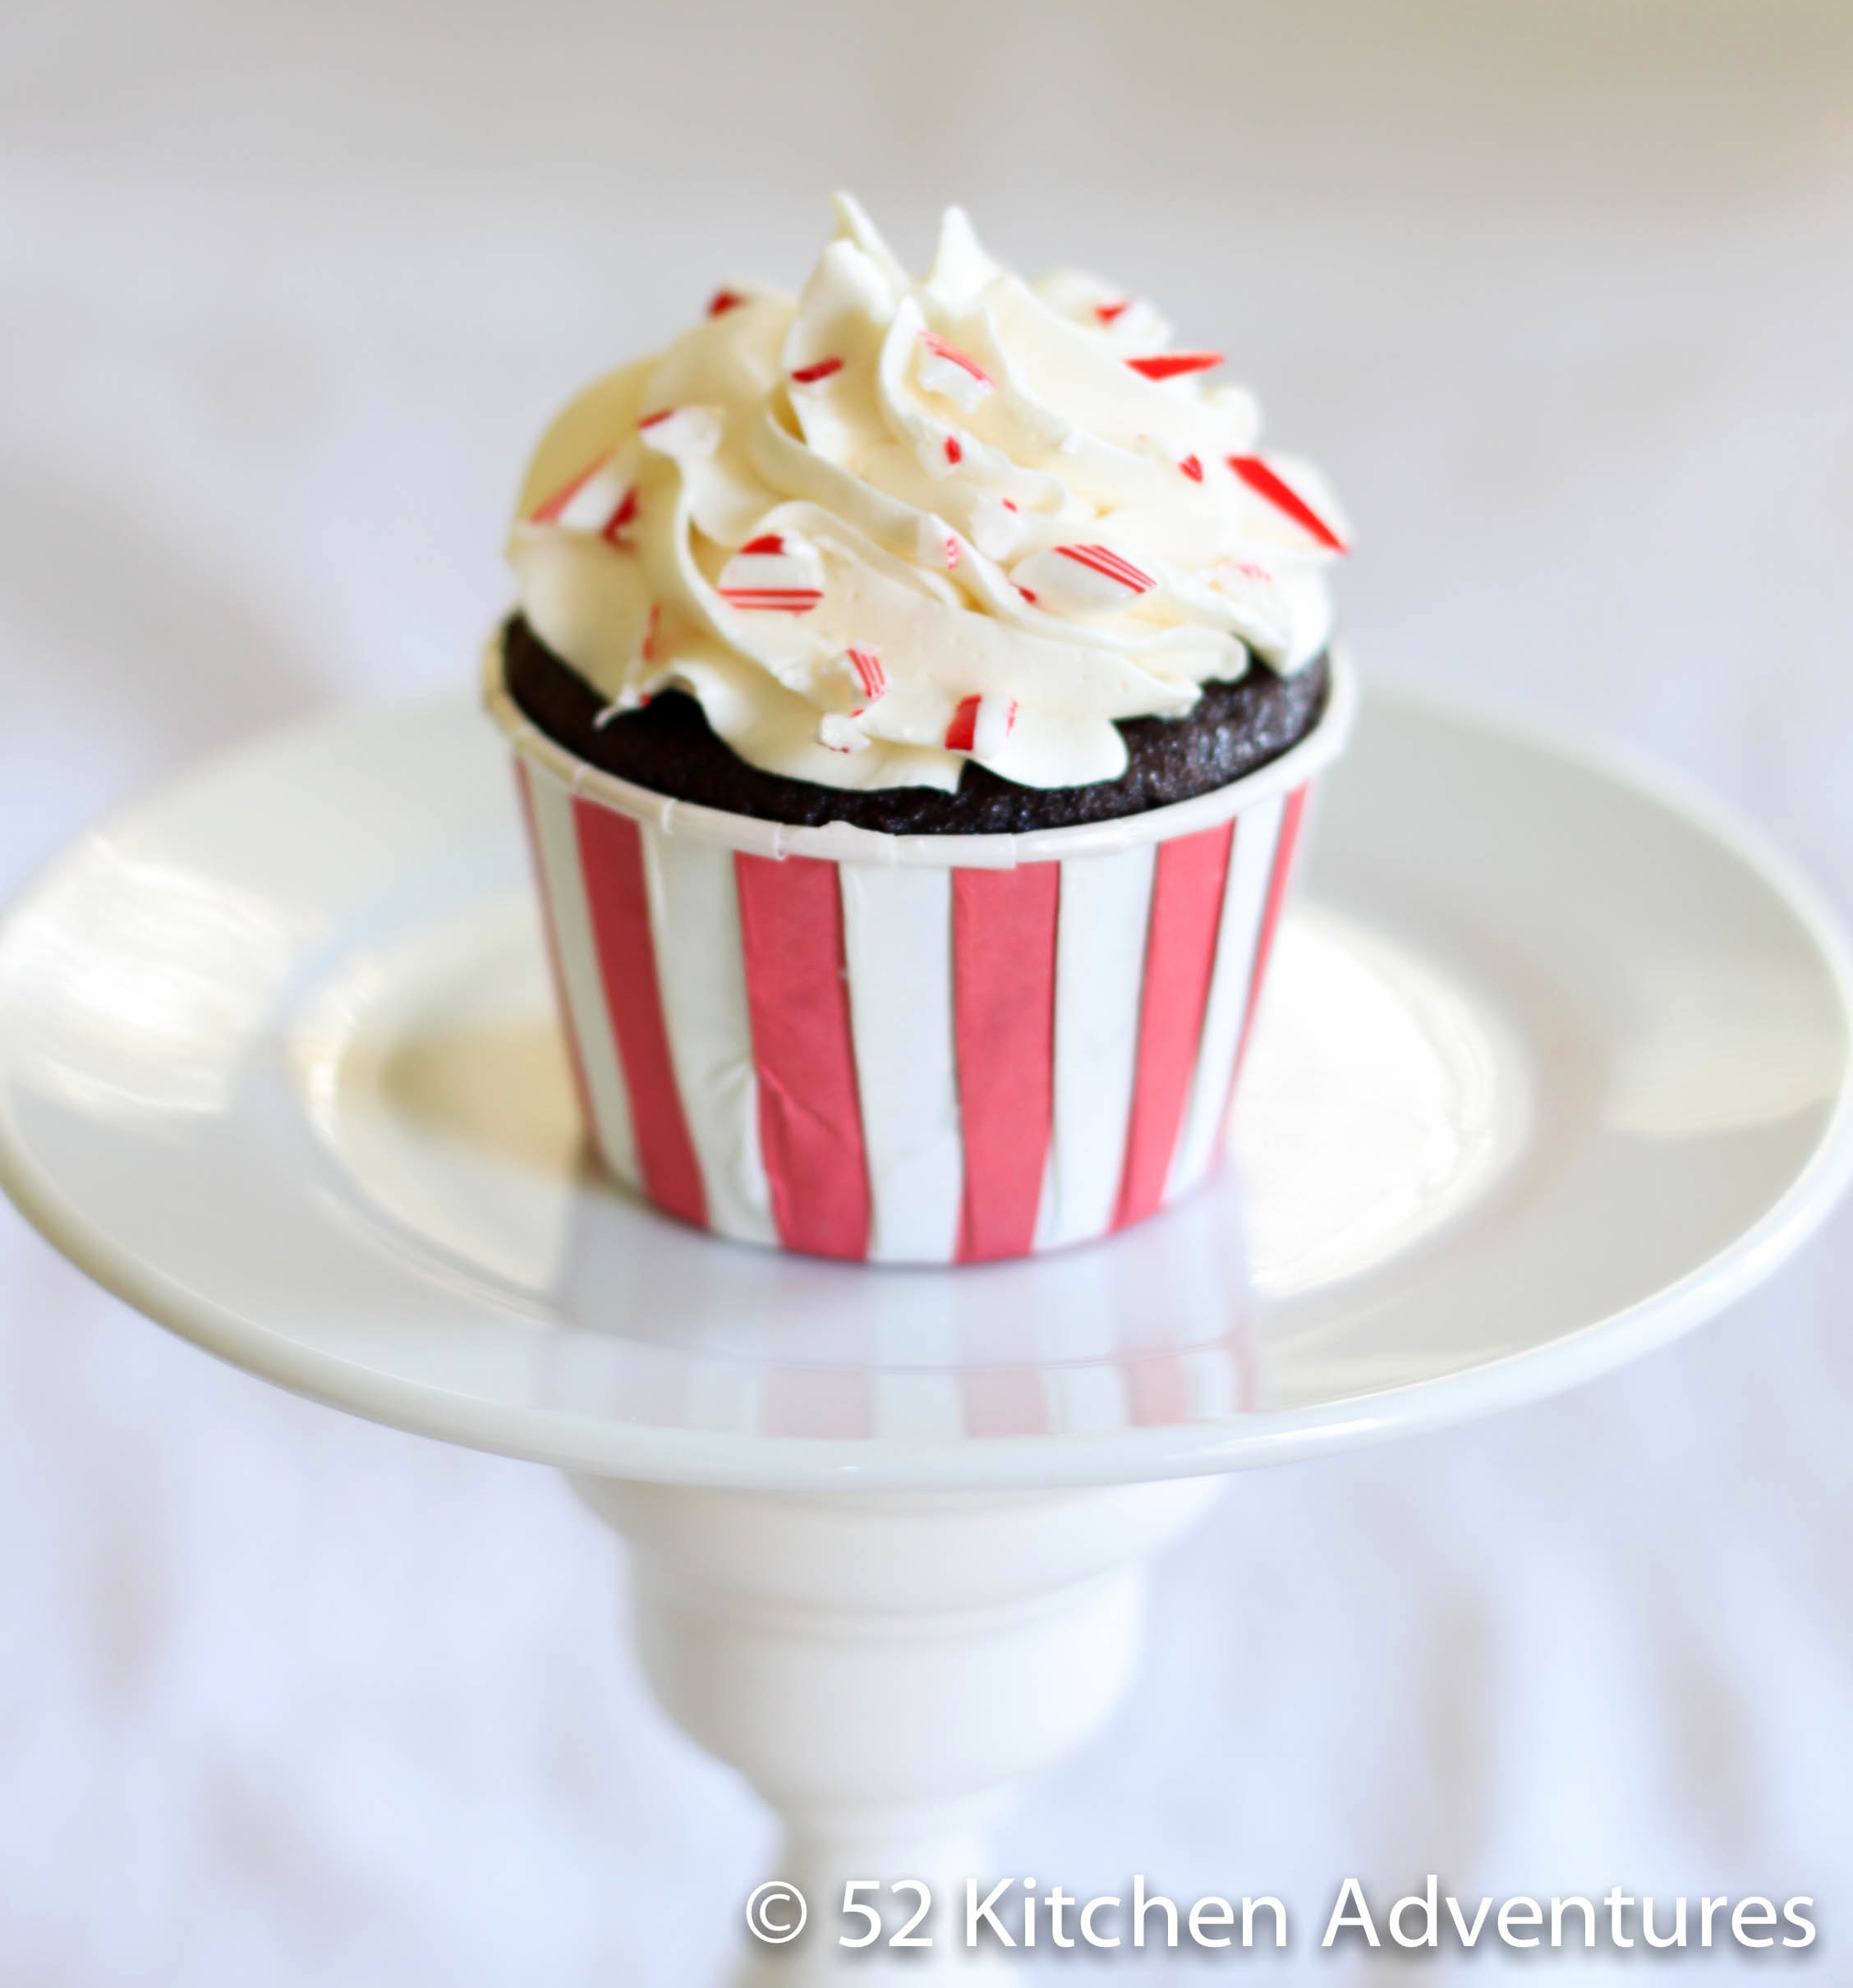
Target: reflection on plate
{"x":1381,"y":1099}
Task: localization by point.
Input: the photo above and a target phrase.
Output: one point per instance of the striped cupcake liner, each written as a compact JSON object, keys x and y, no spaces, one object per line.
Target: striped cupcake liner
{"x":907,"y":1049}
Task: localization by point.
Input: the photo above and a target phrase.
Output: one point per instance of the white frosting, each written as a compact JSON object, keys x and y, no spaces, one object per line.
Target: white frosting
{"x":892,"y":525}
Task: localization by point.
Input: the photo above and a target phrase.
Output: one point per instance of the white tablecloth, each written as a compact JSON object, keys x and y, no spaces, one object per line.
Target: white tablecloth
{"x":1563,"y":298}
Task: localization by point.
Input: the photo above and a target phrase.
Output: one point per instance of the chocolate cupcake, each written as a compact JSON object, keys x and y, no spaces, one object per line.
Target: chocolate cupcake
{"x":915,"y":689}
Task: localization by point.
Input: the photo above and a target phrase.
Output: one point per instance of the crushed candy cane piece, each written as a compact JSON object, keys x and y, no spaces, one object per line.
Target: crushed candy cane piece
{"x":1106,"y":313}
{"x":1104,"y":560}
{"x":628,"y":699}
{"x":996,"y":529}
{"x":954,"y":450}
{"x":1264,"y":482}
{"x":822,"y":369}
{"x":683,"y":433}
{"x":772,"y":600}
{"x":980,"y":725}
{"x":612,"y":532}
{"x":1193,"y":467}
{"x":774,"y":574}
{"x":723,"y":301}
{"x":943,"y":369}
{"x":870,"y":674}
{"x":841,"y":734}
{"x":1168,"y":365}
{"x":596,"y":501}
{"x":550,"y":511}
{"x":1081,"y":579}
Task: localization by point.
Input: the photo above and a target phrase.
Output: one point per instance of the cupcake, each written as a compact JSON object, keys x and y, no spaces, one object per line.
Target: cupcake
{"x":915,"y":688}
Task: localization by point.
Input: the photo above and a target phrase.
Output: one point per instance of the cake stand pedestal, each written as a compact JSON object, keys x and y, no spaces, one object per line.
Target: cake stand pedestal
{"x":885,"y":1671}
{"x":1554,"y":1064}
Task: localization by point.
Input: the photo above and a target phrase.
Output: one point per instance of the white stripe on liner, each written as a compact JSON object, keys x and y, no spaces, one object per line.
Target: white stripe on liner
{"x":558,"y":840}
{"x":897,"y":937}
{"x":1244,"y":899}
{"x":1100,"y":973}
{"x":701,"y":974}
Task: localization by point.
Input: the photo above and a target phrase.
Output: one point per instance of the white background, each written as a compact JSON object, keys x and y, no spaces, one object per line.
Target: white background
{"x":1563,"y":300}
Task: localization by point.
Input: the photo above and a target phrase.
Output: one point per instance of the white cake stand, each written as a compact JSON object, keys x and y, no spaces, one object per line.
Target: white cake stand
{"x":1555,"y":1064}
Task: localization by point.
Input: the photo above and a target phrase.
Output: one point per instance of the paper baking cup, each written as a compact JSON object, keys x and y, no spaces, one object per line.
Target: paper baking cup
{"x":907,"y":1049}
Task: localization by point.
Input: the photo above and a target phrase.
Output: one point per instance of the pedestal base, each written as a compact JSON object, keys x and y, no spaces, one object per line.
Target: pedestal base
{"x":886,"y":1671}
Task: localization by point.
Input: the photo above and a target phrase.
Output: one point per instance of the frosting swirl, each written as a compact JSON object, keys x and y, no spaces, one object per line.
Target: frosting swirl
{"x":892,"y":525}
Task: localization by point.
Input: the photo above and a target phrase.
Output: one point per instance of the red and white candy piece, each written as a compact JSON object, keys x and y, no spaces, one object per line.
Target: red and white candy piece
{"x":857,"y":677}
{"x":633,"y":697}
{"x":841,"y":733}
{"x":995,"y":527}
{"x":681,"y":432}
{"x":942,"y":369}
{"x":1269,"y":484}
{"x":980,"y":725}
{"x":549,"y":510}
{"x":817,"y":370}
{"x":1081,"y":579}
{"x":773,"y":574}
{"x":870,"y":675}
{"x":597,"y":500}
{"x":1168,"y":365}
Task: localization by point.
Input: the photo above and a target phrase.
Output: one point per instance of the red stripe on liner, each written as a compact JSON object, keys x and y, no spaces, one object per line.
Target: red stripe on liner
{"x":1187,"y":888}
{"x":1264,"y":483}
{"x":556,"y":970}
{"x":1277,"y":881}
{"x":1004,"y":1027}
{"x":810,"y":1112}
{"x":611,"y":856}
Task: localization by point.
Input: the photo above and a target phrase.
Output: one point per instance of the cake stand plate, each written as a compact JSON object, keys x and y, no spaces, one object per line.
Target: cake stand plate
{"x":1553,"y":1063}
